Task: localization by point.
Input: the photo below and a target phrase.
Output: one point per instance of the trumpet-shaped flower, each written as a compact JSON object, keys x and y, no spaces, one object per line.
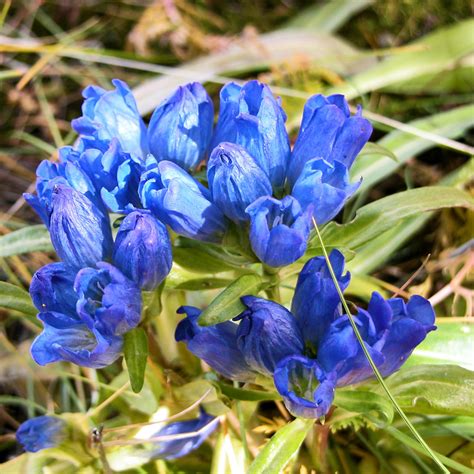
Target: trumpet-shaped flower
{"x":235,"y":180}
{"x":181,"y":126}
{"x":251,"y":117}
{"x":181,"y":202}
{"x":279,"y":230}
{"x":41,"y":432}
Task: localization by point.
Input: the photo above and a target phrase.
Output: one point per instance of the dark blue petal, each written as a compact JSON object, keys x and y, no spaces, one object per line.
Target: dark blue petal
{"x":324,"y":186}
{"x":215,"y":345}
{"x":235,"y":180}
{"x":108,"y":301}
{"x":174,"y":449}
{"x":251,"y":117}
{"x":51,"y":289}
{"x":307,"y":391}
{"x":41,"y":432}
{"x":327,"y":131}
{"x":279,"y":230}
{"x":181,"y":127}
{"x":76,"y":344}
{"x":142,"y":250}
{"x":181,"y":202}
{"x":80,"y":232}
{"x":411,"y":324}
{"x":267,"y":333}
{"x":316,"y":302}
{"x":112,"y":114}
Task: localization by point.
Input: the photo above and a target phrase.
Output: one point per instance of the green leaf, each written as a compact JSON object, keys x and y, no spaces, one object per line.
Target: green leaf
{"x":200,"y":284}
{"x":284,"y":444}
{"x":377,"y":408}
{"x":434,"y":390}
{"x":379,"y":216}
{"x":451,"y":343}
{"x":197,"y":260}
{"x":227,"y":304}
{"x":34,"y":238}
{"x":135,"y":348}
{"x":245,"y":394}
{"x":151,"y":300}
{"x":376,"y":150}
{"x":16,"y":298}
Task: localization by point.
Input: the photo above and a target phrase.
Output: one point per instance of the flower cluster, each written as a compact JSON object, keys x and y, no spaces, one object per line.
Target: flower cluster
{"x":121,"y":166}
{"x":312,"y":349}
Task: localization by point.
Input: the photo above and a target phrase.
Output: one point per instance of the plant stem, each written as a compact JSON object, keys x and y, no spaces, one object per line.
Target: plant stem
{"x":378,"y":375}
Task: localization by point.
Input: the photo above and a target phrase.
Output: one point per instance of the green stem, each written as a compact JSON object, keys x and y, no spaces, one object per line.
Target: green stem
{"x":378,"y":375}
{"x":243,"y":434}
{"x":273,"y":291}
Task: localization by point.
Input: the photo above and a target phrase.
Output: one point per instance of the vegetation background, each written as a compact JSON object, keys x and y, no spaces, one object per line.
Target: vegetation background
{"x":407,"y":62}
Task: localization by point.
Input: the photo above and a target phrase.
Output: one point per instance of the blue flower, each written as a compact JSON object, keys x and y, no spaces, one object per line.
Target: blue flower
{"x":181,"y":126}
{"x":251,"y":117}
{"x":113,"y":114}
{"x":324,"y":186}
{"x":328,"y":131}
{"x":235,"y":180}
{"x":316,"y":303}
{"x":143,"y":250}
{"x":107,"y":300}
{"x":181,"y":202}
{"x":307,"y":390}
{"x":205,"y":425}
{"x":390,"y":331}
{"x":267,"y":333}
{"x":279,"y":230}
{"x":83,"y":314}
{"x":80,"y":232}
{"x":114,"y":173}
{"x":41,"y":432}
{"x":215,"y":345}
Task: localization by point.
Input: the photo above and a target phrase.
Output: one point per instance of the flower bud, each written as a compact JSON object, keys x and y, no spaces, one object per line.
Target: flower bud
{"x":279,"y":230}
{"x":41,"y":432}
{"x":142,"y":250}
{"x":181,"y":127}
{"x":235,"y":180}
{"x":251,"y":117}
{"x":80,"y":232}
{"x":113,"y":114}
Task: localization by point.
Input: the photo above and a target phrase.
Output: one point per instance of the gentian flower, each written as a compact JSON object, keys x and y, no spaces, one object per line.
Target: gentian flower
{"x":143,"y":250}
{"x":41,"y":432}
{"x":107,"y":300}
{"x":83,"y":314}
{"x":173,"y":449}
{"x":325,"y":187}
{"x":267,"y":333}
{"x":181,"y":126}
{"x":80,"y":232}
{"x":112,"y":114}
{"x":307,"y":390}
{"x":279,"y":230}
{"x":313,"y":350}
{"x":215,"y":345}
{"x":114,"y":173}
{"x":390,"y":329}
{"x":251,"y":117}
{"x":181,"y":202}
{"x":329,"y":132}
{"x":316,"y":303}
{"x":235,"y":180}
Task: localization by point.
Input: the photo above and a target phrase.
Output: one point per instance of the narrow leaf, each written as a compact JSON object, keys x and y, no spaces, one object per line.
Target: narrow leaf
{"x":135,"y":349}
{"x":379,"y":216}
{"x":227,"y":304}
{"x":281,"y":448}
{"x":14,"y":297}
{"x":34,"y":238}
